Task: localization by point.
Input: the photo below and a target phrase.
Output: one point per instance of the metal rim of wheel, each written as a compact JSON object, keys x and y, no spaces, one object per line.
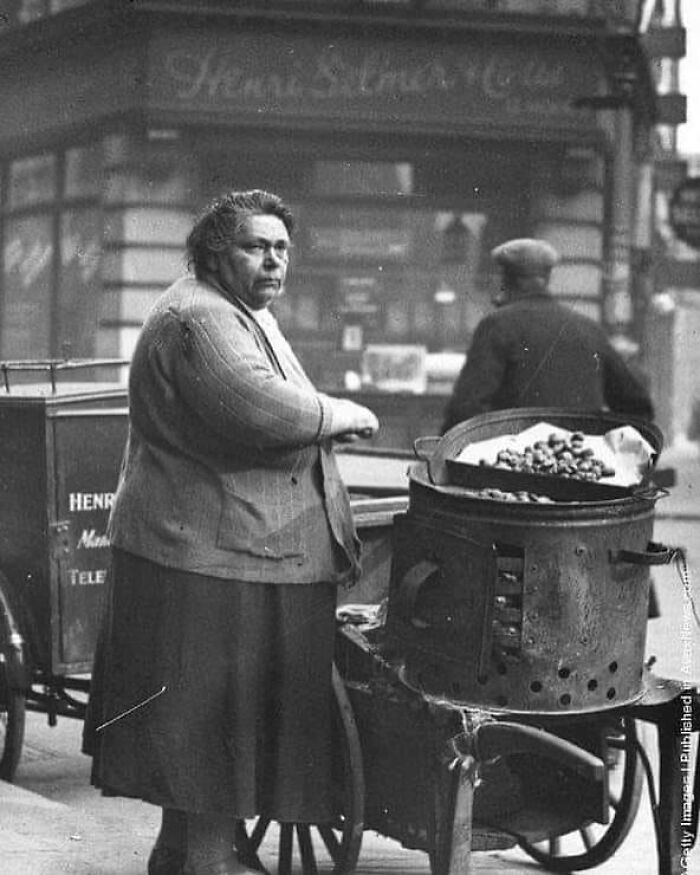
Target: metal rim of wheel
{"x":12,"y":700}
{"x":342,"y":839}
{"x":597,"y":848}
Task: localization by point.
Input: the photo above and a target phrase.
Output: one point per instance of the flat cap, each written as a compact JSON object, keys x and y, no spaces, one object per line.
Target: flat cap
{"x":526,"y":256}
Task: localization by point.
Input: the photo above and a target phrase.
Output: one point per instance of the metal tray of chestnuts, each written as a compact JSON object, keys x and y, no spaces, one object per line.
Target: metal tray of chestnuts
{"x":556,"y":469}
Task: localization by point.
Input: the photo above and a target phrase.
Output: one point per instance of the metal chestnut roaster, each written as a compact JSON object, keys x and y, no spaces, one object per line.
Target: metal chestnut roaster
{"x":524,"y":606}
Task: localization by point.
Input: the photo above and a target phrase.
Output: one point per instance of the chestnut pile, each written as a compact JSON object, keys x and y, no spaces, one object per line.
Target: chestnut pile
{"x":557,"y":455}
{"x":502,"y":495}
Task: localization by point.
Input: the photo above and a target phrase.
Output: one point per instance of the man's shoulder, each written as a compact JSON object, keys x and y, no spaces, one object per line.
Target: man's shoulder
{"x":536,"y":306}
{"x":523,"y":309}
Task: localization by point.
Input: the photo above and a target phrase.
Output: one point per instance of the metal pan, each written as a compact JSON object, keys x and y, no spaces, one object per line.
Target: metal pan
{"x":440,"y":452}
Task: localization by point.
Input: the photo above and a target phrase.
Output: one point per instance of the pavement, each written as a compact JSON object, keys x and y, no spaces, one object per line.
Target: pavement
{"x":39,"y":836}
{"x":99,"y":836}
{"x":52,"y":823}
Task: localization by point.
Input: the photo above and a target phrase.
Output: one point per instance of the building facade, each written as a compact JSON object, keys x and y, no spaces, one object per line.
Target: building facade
{"x":409,"y":136}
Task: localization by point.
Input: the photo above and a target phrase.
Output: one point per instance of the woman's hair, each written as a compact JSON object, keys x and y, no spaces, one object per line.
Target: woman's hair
{"x":218,"y":224}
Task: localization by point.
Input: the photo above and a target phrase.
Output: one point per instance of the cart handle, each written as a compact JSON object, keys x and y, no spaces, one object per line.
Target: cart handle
{"x":51,"y":366}
{"x":502,"y":738}
{"x":424,"y":447}
{"x":655,"y":554}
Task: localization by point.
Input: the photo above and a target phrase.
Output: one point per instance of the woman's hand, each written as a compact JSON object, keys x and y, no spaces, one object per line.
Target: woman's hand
{"x":352,"y":421}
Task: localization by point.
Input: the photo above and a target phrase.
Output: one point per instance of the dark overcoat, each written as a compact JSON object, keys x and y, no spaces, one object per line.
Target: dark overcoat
{"x":536,"y":352}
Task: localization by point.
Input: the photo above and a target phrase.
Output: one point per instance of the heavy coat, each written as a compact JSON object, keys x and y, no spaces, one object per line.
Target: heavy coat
{"x":535,"y":352}
{"x":228,"y":470}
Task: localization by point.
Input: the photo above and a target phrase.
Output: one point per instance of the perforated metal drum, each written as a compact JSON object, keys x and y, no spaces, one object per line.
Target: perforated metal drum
{"x":523,"y":607}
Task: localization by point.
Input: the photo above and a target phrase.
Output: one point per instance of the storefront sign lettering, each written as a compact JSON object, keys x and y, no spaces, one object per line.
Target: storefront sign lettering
{"x":218,"y":75}
{"x":215,"y":75}
{"x":404,"y":80}
{"x":500,"y":77}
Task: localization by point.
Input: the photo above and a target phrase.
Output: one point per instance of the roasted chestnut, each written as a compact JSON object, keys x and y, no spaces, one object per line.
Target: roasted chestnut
{"x":557,"y":455}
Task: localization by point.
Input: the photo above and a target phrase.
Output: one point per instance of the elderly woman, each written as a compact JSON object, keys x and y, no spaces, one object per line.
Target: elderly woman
{"x":230,"y":532}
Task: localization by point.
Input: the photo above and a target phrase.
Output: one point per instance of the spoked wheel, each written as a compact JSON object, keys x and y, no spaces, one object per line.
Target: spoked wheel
{"x":323,"y":847}
{"x":593,"y":844}
{"x":12,"y":699}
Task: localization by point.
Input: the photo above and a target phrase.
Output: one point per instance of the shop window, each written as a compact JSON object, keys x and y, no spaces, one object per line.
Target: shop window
{"x":51,"y":256}
{"x":158,"y":172}
{"x":27,"y":268}
{"x":78,"y":302}
{"x":397,"y":318}
{"x":370,"y":178}
{"x":83,"y":172}
{"x":32,"y":181}
{"x":476,"y":175}
{"x":423,"y":317}
{"x":350,"y":233}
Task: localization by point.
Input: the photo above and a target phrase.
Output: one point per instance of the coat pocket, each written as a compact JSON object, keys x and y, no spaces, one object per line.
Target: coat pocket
{"x":260,"y":528}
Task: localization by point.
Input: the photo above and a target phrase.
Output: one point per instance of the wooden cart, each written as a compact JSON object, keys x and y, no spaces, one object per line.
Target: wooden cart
{"x":452,"y":781}
{"x":438,"y":775}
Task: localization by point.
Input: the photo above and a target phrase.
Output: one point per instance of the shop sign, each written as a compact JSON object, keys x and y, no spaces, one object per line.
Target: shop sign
{"x":684,"y":212}
{"x":502,"y":81}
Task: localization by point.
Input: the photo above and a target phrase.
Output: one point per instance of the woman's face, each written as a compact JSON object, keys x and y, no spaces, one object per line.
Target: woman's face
{"x":254,"y":267}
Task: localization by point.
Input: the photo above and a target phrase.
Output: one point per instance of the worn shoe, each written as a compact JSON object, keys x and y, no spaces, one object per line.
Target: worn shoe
{"x":166,"y":861}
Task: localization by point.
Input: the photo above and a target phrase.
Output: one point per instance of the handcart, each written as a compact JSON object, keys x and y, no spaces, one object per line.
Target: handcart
{"x":494,"y":696}
{"x":62,"y":434}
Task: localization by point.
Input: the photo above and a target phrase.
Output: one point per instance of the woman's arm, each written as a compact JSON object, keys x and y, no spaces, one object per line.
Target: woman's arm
{"x":226,"y":376}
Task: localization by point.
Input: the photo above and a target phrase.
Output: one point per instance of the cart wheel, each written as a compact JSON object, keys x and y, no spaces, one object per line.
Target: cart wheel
{"x":12,"y":700}
{"x":593,"y":844}
{"x":339,"y":842}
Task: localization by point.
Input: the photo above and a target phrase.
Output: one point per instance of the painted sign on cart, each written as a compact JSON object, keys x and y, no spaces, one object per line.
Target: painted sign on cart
{"x":86,"y":481}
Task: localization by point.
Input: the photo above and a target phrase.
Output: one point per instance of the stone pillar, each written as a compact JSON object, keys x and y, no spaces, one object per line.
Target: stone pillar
{"x":618,"y":312}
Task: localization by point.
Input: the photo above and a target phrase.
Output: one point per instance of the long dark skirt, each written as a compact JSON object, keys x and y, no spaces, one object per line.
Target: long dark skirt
{"x":235,"y":678}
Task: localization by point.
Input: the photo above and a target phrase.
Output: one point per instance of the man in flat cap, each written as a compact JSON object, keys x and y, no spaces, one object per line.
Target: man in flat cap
{"x":535,"y":352}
